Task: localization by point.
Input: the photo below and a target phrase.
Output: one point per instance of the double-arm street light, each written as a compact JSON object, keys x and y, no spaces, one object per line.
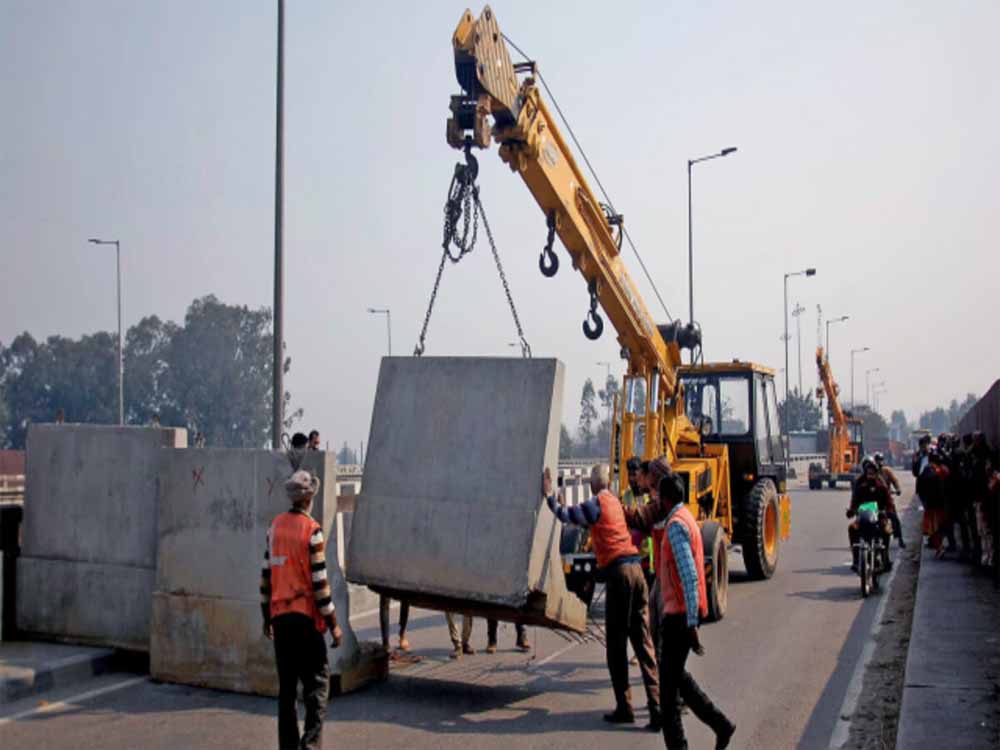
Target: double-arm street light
{"x":853,"y":352}
{"x":877,"y":390}
{"x":121,"y":361}
{"x":691,"y":162}
{"x":868,"y":387}
{"x":388,"y":322}
{"x":830,"y":322}
{"x":804,"y":272}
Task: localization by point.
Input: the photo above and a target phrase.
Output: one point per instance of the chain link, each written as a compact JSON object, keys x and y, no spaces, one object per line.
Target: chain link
{"x":463,"y":203}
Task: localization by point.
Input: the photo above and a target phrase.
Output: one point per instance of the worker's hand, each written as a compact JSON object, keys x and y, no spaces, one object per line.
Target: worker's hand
{"x":850,"y":513}
{"x":694,"y":642}
{"x":336,"y":636}
{"x":547,"y":482}
{"x":561,"y":499}
{"x":268,"y":631}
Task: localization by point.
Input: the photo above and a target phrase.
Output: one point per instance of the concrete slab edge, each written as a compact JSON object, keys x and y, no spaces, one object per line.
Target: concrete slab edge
{"x":58,"y":674}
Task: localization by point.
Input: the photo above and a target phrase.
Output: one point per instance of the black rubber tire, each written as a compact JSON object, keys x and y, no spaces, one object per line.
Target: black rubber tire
{"x":762,"y":500}
{"x":713,"y":539}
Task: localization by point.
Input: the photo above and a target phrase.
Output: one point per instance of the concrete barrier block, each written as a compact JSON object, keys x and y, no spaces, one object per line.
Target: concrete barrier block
{"x":451,"y":507}
{"x":215,"y":509}
{"x":94,"y":603}
{"x":91,"y":492}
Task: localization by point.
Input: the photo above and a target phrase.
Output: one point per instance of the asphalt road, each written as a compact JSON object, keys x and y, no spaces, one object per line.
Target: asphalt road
{"x":780,"y":664}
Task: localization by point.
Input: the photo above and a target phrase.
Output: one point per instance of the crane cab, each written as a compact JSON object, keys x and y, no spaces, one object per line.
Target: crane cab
{"x":735,"y":404}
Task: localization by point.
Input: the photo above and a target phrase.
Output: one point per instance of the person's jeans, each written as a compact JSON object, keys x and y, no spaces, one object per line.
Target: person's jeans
{"x":675,"y":680}
{"x":627,"y":620}
{"x":453,"y":628}
{"x":491,"y":632}
{"x":300,"y":653}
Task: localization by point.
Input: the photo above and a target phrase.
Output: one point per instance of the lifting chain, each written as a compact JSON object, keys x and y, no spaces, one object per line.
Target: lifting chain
{"x":593,"y":324}
{"x":463,"y":204}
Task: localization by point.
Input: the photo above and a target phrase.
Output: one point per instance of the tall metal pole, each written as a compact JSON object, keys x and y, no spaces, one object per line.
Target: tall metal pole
{"x":797,"y":313}
{"x":278,"y":398}
{"x":690,"y":258}
{"x":388,"y":327}
{"x":121,"y":360}
{"x":784,"y":427}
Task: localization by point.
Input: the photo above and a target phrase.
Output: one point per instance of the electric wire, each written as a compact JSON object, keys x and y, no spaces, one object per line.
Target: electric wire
{"x":593,"y":174}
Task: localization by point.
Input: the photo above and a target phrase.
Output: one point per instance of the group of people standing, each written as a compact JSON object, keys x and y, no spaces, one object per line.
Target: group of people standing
{"x":958,"y":485}
{"x":620,"y":534}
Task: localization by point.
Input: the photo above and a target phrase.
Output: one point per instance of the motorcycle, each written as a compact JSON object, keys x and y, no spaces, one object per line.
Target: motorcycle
{"x":873,"y":554}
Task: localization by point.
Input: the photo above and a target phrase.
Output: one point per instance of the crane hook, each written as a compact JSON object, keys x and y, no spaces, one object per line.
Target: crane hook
{"x":593,"y":332}
{"x":548,"y":262}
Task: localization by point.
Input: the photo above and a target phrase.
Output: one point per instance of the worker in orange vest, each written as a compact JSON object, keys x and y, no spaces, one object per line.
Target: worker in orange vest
{"x":684,"y":601}
{"x":298,"y":608}
{"x":626,"y":594}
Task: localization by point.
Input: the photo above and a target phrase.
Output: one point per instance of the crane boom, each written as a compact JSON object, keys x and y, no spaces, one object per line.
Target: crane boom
{"x":532,"y":145}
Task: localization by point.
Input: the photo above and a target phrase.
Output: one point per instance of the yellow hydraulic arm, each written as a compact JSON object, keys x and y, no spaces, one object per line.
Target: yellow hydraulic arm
{"x":495,"y":105}
{"x":532,"y":145}
{"x":839,"y":442}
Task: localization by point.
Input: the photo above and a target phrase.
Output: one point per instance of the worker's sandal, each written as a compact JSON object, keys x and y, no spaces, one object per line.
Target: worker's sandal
{"x":404,"y":645}
{"x":467,"y":649}
{"x":491,"y":647}
{"x":456,"y":652}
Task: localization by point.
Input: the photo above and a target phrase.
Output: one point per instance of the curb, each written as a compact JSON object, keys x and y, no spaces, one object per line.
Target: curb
{"x":56,"y":674}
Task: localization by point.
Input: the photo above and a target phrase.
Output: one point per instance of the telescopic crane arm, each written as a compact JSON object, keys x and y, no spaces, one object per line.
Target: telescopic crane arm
{"x":532,"y":145}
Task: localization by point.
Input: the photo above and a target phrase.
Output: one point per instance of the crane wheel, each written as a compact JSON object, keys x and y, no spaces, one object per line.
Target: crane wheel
{"x":713,"y":538}
{"x":759,"y":529}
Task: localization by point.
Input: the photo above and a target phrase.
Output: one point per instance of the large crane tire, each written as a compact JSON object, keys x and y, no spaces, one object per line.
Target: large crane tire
{"x":760,"y":530}
{"x":713,"y":538}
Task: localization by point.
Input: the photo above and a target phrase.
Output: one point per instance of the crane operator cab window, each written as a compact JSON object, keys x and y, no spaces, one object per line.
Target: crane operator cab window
{"x":723,"y":399}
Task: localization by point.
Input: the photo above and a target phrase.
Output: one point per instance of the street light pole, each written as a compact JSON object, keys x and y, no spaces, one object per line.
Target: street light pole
{"x":797,"y":314}
{"x":868,"y":376}
{"x":691,"y":162}
{"x":853,"y":352}
{"x":121,"y":360}
{"x":607,"y":395}
{"x":805,"y":272}
{"x":841,"y":319}
{"x":277,"y":364}
{"x":388,"y":322}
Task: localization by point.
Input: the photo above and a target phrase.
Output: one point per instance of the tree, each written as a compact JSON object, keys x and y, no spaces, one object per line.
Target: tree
{"x":212,"y":376}
{"x":219,"y":374}
{"x":588,"y":415}
{"x":566,"y":445}
{"x":803,"y":412}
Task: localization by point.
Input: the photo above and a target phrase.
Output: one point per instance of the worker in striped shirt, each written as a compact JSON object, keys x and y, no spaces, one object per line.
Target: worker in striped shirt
{"x":297,"y":607}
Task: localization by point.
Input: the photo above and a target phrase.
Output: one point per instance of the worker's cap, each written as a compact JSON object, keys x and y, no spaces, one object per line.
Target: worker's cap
{"x":659,"y":468}
{"x":633,"y":464}
{"x":301,"y":484}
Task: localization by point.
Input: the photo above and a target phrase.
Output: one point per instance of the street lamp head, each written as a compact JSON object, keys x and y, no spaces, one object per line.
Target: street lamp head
{"x":727,"y":151}
{"x":94,"y":241}
{"x":371,"y":309}
{"x":810,"y":272}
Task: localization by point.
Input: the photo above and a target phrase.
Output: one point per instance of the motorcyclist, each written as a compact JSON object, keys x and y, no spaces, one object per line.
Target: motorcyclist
{"x":888,"y":476}
{"x":869,"y":488}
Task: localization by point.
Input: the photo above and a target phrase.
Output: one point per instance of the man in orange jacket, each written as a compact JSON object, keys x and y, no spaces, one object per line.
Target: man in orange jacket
{"x":684,"y":600}
{"x":297,"y":607}
{"x":626,"y":594}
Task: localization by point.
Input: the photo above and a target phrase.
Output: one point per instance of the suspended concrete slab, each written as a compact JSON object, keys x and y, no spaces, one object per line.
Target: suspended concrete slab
{"x":450,"y":514}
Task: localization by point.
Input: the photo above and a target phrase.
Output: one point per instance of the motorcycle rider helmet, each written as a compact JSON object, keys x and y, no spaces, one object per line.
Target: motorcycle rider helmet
{"x":868,"y":462}
{"x":879,"y":458}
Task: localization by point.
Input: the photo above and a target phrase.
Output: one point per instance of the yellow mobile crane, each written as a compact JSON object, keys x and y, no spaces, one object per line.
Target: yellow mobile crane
{"x":846,"y":434}
{"x":723,"y":439}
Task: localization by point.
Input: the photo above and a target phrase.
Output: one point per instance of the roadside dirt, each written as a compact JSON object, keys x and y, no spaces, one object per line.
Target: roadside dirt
{"x":873,"y":725}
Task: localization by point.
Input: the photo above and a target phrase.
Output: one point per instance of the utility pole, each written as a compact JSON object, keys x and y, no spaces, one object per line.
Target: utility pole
{"x":796,"y":313}
{"x":121,"y":359}
{"x":277,"y":364}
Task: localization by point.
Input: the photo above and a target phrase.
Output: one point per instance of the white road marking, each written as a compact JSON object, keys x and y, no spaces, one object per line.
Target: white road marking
{"x":842,"y":729}
{"x":68,"y":702}
{"x":553,"y":655}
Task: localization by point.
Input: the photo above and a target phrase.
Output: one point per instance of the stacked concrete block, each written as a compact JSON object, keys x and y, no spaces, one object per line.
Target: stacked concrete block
{"x":451,"y":515}
{"x":215,"y":509}
{"x":88,"y":556}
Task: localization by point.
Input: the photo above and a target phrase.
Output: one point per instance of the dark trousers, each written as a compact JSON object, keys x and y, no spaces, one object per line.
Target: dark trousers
{"x":626,"y":615}
{"x":300,"y":652}
{"x":383,"y":618}
{"x":491,"y":632}
{"x":897,"y":527}
{"x":675,"y":680}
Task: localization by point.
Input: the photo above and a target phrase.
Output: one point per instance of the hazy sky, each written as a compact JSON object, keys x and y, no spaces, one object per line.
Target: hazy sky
{"x":868,"y":143}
